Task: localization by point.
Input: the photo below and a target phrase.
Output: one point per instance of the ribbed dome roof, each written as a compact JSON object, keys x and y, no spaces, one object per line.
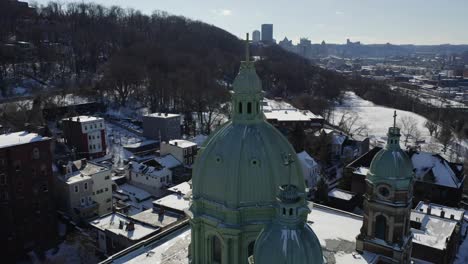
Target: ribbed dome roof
{"x":391,"y":164}
{"x":243,"y":164}
{"x":288,"y":239}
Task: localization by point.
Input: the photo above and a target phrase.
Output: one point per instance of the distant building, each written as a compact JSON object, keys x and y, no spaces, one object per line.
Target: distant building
{"x":143,"y":148}
{"x":161,"y":126}
{"x":256,"y":37}
{"x":27,"y":208}
{"x":86,"y":134}
{"x":267,"y":33}
{"x":183,"y":150}
{"x":287,"y":45}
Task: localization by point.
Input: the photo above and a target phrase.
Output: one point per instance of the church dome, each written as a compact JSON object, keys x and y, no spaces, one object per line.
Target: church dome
{"x":391,"y":165}
{"x":288,"y":239}
{"x":243,"y":162}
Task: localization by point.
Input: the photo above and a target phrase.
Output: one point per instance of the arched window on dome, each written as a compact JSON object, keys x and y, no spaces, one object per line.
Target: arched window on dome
{"x":291,"y":211}
{"x":381,"y":227}
{"x":240,"y":107}
{"x":249,"y":108}
{"x":258,"y":107}
{"x":216,"y":253}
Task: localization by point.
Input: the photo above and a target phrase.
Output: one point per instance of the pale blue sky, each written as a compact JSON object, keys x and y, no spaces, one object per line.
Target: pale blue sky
{"x":370,"y":21}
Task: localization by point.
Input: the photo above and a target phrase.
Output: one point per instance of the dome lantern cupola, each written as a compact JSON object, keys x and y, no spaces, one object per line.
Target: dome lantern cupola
{"x":288,"y":239}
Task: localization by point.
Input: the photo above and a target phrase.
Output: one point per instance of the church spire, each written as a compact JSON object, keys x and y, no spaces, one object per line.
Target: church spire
{"x":393,"y":141}
{"x":247,"y":96}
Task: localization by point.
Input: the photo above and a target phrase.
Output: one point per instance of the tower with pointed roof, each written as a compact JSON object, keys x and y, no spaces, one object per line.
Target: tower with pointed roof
{"x":236,"y":177}
{"x":387,"y":203}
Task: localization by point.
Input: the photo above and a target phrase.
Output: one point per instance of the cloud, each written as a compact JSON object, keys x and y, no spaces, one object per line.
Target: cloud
{"x":222,"y":12}
{"x":339,"y":13}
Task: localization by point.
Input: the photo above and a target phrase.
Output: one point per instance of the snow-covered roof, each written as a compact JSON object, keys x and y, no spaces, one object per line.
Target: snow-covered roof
{"x":163,"y":115}
{"x":133,"y":191}
{"x":434,"y":230}
{"x":19,"y":138}
{"x":117,"y":224}
{"x":291,"y":115}
{"x":141,"y":144}
{"x":306,"y":159}
{"x":361,"y":171}
{"x":184,"y":188}
{"x":436,"y":210}
{"x":83,"y":119}
{"x":168,"y":161}
{"x":153,"y":218}
{"x":424,"y":163}
{"x":182,"y":143}
{"x":340,"y":194}
{"x":173,"y":201}
{"x":269,"y":105}
{"x":338,"y":139}
{"x":150,"y":171}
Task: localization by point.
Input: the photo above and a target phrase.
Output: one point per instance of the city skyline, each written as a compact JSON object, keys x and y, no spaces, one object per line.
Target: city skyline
{"x":371,"y":22}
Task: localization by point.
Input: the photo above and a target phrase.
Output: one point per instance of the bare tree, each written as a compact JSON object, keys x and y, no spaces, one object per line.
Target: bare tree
{"x":349,"y":124}
{"x":409,"y":126}
{"x":445,"y":136}
{"x":431,"y":126}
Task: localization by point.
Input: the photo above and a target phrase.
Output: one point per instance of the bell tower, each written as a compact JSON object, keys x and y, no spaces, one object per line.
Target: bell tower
{"x":387,"y":203}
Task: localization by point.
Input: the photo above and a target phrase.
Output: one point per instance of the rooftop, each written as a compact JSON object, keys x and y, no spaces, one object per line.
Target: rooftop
{"x":173,"y":201}
{"x":133,"y":191}
{"x":182,"y":143}
{"x":20,"y":138}
{"x":434,"y":231}
{"x":163,"y":115}
{"x":291,"y":115}
{"x":168,"y":161}
{"x":306,"y":159}
{"x":429,"y":164}
{"x":83,"y":119}
{"x":117,"y":224}
{"x":340,"y":194}
{"x":153,"y":218}
{"x":184,"y":188}
{"x":90,"y":168}
{"x":436,"y":210}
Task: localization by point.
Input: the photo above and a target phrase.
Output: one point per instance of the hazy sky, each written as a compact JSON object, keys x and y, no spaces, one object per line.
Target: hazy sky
{"x":370,"y":21}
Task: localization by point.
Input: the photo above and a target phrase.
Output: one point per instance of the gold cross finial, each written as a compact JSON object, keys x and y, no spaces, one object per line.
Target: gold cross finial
{"x":247,"y":55}
{"x":394,"y":118}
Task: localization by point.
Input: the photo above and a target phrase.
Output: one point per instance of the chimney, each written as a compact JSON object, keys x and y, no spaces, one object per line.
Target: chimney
{"x":63,"y":170}
{"x":165,"y":114}
{"x":159,"y":114}
{"x":452,"y":217}
{"x":84,"y":162}
{"x":429,"y":209}
{"x":78,"y":119}
{"x":130,"y":226}
{"x":121,"y":224}
{"x":175,"y":143}
{"x":442,"y":214}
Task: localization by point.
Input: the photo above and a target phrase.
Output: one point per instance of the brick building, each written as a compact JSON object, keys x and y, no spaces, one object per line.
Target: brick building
{"x":161,"y":126}
{"x":86,"y":134}
{"x":26,"y":201}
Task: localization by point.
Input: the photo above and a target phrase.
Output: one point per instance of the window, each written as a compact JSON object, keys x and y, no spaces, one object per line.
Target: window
{"x":95,"y":126}
{"x":107,"y":189}
{"x":258,"y":107}
{"x":217,"y":250}
{"x":250,"y":248}
{"x":82,"y":201}
{"x":107,"y":177}
{"x":167,"y":178}
{"x":249,"y":108}
{"x":76,"y":188}
{"x":100,"y":125}
{"x":35,"y":153}
{"x":86,"y":186}
{"x":90,"y":200}
{"x":89,"y":137}
{"x":45,"y":188}
{"x":240,"y":107}
{"x":85,"y":127}
{"x":3,"y":179}
{"x":381,"y":227}
{"x":43,"y":170}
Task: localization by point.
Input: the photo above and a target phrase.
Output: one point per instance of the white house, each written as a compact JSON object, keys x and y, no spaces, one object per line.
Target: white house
{"x":310,"y":168}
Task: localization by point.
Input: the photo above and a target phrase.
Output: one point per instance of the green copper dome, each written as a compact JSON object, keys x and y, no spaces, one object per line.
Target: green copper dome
{"x":288,"y":239}
{"x":243,"y":162}
{"x":391,"y":165}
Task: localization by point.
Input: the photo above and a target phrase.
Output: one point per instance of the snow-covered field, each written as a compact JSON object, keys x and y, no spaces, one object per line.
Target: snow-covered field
{"x":378,"y":119}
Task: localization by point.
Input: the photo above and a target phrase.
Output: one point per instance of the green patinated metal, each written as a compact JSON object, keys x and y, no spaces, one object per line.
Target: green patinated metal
{"x":288,"y":239}
{"x":391,"y":165}
{"x":236,"y":176}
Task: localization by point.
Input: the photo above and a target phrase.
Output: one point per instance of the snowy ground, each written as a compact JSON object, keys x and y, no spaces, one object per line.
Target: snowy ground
{"x":378,"y":119}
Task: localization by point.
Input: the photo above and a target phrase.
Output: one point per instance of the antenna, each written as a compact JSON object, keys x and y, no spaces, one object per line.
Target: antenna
{"x":247,"y":55}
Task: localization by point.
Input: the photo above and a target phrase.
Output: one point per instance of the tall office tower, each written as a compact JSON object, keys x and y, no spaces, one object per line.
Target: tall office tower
{"x":256,"y":36}
{"x":267,"y":33}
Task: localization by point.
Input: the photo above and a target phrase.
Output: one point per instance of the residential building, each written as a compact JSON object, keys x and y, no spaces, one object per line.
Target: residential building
{"x":183,"y":150}
{"x":267,"y":33}
{"x":102,"y":184}
{"x":162,"y":126}
{"x":115,"y":232}
{"x":131,"y":200}
{"x":27,"y":207}
{"x":151,"y":175}
{"x":256,"y":37}
{"x":86,"y":135}
{"x":74,"y":192}
{"x":437,"y":232}
{"x":310,"y":169}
